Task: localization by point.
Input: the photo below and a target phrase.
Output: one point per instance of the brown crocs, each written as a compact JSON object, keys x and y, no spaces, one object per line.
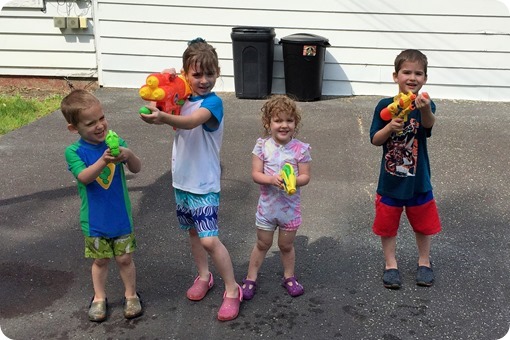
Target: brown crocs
{"x":98,"y":310}
{"x":133,"y":307}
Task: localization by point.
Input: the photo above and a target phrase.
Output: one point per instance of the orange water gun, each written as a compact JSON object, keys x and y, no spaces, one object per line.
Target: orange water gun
{"x":167,"y":90}
{"x":402,"y":104}
{"x":289,"y":179}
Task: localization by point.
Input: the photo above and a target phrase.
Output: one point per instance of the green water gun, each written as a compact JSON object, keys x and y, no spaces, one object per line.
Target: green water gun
{"x":289,"y":179}
{"x":112,"y":140}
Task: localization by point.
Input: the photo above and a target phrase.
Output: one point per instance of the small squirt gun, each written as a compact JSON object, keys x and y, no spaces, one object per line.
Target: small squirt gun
{"x":289,"y":179}
{"x":402,"y":104}
{"x":112,"y":140}
{"x":167,"y":90}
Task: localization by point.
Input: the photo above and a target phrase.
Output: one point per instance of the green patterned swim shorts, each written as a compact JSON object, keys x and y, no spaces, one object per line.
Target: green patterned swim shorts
{"x":106,"y":248}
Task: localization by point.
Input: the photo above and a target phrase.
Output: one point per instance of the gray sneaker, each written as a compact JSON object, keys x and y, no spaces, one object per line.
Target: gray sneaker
{"x":391,"y":279}
{"x":133,"y":307}
{"x":98,"y":310}
{"x":425,"y":276}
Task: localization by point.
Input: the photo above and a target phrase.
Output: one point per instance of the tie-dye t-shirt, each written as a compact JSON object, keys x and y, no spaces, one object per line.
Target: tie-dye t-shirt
{"x":273,"y":201}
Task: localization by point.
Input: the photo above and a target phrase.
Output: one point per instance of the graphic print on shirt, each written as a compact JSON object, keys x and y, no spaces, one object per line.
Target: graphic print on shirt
{"x":105,"y":177}
{"x":402,"y":156}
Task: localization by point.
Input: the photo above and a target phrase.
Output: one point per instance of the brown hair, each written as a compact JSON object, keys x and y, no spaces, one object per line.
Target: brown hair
{"x":75,"y":102}
{"x":413,"y":56}
{"x":277,"y":104}
{"x":200,"y":52}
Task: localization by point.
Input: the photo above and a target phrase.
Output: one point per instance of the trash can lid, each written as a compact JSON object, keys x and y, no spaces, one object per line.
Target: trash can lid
{"x":252,"y":33}
{"x":252,"y":29}
{"x":305,"y":38}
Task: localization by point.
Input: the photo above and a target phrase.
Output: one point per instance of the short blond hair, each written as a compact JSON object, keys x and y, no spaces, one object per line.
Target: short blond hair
{"x":75,"y":102}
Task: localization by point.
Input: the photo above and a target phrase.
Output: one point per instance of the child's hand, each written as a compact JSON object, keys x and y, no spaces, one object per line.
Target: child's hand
{"x":171,"y":71}
{"x":107,"y":156}
{"x":121,"y":157}
{"x":423,"y":103}
{"x":277,"y":181}
{"x":154,"y":117}
{"x":396,"y":125}
{"x":125,"y":156}
{"x":422,"y":100}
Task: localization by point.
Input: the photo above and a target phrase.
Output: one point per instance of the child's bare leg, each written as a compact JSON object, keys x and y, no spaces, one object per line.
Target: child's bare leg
{"x":99,"y":275}
{"x":389,"y":245}
{"x":258,"y":254}
{"x":287,"y":252}
{"x":423,"y":242}
{"x":199,"y":255}
{"x":127,"y":272}
{"x":221,"y":259}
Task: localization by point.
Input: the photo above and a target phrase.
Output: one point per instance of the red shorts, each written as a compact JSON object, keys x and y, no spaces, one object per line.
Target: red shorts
{"x":421,"y":212}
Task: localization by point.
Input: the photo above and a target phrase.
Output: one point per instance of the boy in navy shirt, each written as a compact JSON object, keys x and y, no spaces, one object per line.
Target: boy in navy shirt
{"x":404,"y":179}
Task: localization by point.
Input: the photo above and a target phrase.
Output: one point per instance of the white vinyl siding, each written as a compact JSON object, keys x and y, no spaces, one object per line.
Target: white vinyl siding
{"x":467,"y":42}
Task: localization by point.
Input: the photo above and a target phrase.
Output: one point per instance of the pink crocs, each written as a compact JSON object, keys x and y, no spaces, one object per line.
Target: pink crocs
{"x":200,"y":288}
{"x":230,"y":307}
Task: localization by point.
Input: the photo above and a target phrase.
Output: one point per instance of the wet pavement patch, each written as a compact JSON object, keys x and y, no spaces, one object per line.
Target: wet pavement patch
{"x":26,"y":289}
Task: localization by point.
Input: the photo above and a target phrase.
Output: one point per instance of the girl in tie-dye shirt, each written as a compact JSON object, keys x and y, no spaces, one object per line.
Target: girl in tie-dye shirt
{"x":276,"y":208}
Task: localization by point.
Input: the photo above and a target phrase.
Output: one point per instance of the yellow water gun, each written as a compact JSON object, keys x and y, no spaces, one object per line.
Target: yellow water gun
{"x":289,"y":179}
{"x":402,"y":104}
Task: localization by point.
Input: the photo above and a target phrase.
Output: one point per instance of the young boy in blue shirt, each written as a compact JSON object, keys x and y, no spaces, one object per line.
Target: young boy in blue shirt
{"x":404,"y":179}
{"x":105,"y":213}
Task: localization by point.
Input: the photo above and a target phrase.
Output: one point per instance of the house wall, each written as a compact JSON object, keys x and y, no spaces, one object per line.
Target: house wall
{"x":467,"y":42}
{"x":30,"y":45}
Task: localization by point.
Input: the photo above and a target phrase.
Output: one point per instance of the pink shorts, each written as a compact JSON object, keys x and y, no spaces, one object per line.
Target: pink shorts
{"x":421,"y":212}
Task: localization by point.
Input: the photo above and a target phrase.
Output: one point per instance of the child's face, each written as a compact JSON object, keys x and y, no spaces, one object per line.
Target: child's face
{"x":93,"y":126}
{"x":200,"y":81}
{"x":282,"y":128}
{"x":410,"y":77}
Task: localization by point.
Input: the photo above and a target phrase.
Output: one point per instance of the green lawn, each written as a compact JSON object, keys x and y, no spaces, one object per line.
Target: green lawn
{"x":17,"y":111}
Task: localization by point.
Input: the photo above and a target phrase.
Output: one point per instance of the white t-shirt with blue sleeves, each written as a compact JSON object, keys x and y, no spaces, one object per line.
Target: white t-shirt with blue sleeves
{"x":196,"y":152}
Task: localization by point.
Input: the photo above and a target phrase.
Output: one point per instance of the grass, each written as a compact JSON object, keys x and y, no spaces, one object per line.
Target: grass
{"x":17,"y":111}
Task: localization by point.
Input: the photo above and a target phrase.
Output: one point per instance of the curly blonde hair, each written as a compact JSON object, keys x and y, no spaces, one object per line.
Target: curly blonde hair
{"x":276,"y":105}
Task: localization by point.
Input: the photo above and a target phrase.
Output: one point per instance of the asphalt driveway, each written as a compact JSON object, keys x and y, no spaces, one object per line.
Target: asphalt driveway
{"x":45,"y":281}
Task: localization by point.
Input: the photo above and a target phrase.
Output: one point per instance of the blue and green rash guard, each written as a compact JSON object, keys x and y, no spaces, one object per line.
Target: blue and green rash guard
{"x":105,"y":206}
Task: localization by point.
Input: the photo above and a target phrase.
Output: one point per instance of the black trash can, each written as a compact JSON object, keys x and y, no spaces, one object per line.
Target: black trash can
{"x":253,"y":49}
{"x":303,"y":63}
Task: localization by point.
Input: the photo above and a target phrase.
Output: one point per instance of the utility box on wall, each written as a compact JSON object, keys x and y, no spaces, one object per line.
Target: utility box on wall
{"x":73,"y":22}
{"x":70,"y":22}
{"x":59,"y":22}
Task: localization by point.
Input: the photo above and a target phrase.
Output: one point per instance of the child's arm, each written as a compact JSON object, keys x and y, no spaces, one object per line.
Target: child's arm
{"x":395,"y":125}
{"x":259,"y":177}
{"x":197,"y":118}
{"x":304,"y":174}
{"x":132,"y":161}
{"x":422,"y":103}
{"x":90,"y":174}
{"x":127,"y":156}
